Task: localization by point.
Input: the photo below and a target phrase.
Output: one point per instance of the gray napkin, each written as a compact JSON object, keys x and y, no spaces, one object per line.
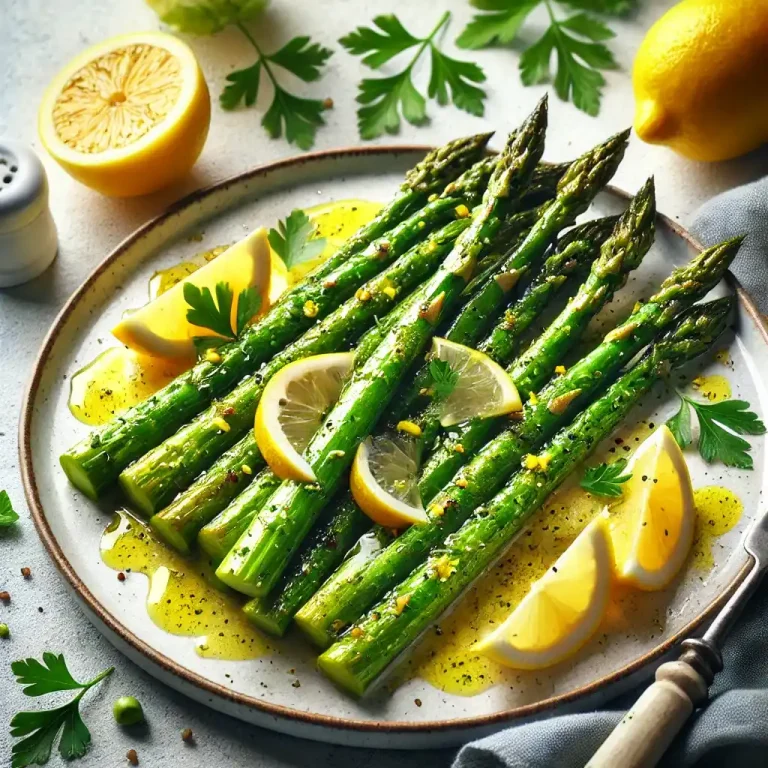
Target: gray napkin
{"x":732,"y":730}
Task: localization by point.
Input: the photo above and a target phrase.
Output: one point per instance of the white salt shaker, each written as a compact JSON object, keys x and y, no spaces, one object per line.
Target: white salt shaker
{"x":28,"y":240}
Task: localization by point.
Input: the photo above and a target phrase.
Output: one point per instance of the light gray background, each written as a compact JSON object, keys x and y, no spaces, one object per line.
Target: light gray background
{"x":39,"y":36}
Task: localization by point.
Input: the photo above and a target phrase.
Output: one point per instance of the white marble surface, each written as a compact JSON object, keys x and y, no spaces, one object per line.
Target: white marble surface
{"x":38,"y":36}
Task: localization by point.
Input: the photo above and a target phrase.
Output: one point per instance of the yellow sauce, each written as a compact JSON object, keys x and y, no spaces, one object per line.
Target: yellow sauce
{"x":184,"y":597}
{"x":445,"y":659}
{"x":723,"y":356}
{"x":717,"y":512}
{"x":120,"y":378}
{"x":713,"y":388}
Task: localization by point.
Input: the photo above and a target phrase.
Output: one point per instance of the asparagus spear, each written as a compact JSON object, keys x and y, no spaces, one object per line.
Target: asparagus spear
{"x":160,"y":474}
{"x":347,"y":594}
{"x":358,"y":659}
{"x":95,"y":462}
{"x":257,"y":560}
{"x":346,"y":523}
{"x":164,"y":471}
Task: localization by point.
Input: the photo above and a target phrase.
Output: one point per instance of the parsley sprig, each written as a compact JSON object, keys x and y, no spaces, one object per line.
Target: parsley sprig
{"x":215,"y":313}
{"x":444,"y":379}
{"x":38,"y":730}
{"x":294,"y":239}
{"x":8,"y":515}
{"x":606,"y":479}
{"x":720,"y":425}
{"x":298,"y":117}
{"x":384,"y":99}
{"x":577,"y":42}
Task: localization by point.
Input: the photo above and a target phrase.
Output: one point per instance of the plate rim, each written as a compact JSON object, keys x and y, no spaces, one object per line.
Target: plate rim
{"x":198,"y":681}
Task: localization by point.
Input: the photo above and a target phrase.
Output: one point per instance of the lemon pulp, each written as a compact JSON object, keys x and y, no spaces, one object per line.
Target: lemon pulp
{"x":117,"y":98}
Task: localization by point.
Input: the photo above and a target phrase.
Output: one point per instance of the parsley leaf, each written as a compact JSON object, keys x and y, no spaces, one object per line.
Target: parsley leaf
{"x":297,"y":116}
{"x":205,"y":17}
{"x":444,"y":379}
{"x":720,"y":425}
{"x":606,"y":479}
{"x":294,"y":241}
{"x":215,"y":313}
{"x":41,"y":728}
{"x":385,"y":99}
{"x":8,"y":515}
{"x":576,"y":42}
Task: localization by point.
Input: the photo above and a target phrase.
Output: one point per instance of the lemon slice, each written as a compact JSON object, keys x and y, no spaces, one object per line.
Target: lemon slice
{"x":563,"y":608}
{"x":384,"y":481}
{"x":161,"y":328}
{"x":129,"y":115}
{"x":483,"y":388}
{"x":292,"y":408}
{"x":652,"y":528}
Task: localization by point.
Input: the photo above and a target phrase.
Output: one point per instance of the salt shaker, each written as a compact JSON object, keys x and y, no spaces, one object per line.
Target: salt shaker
{"x":28,"y":240}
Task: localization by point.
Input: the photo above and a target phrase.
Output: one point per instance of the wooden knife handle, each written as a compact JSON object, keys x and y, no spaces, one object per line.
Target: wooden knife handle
{"x":646,"y":731}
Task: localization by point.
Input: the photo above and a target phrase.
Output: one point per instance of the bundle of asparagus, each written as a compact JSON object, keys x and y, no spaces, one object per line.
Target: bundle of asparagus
{"x":471,"y":249}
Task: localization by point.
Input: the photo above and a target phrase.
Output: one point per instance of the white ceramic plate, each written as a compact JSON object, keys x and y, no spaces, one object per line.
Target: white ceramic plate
{"x":71,"y":526}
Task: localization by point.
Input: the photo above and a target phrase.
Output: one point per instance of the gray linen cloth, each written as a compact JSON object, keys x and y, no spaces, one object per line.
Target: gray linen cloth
{"x":732,"y":730}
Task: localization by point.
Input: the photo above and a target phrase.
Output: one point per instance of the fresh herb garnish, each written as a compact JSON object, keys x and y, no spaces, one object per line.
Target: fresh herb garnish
{"x":42,"y":727}
{"x":577,"y":41}
{"x":720,"y":425}
{"x":299,"y":117}
{"x":606,"y":479}
{"x":383,"y":99}
{"x":444,"y":379}
{"x":215,"y":313}
{"x":294,"y":239}
{"x":8,"y":515}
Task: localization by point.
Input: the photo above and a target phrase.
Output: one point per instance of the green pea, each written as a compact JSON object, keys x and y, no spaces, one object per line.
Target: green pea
{"x":128,"y":711}
{"x":4,"y":631}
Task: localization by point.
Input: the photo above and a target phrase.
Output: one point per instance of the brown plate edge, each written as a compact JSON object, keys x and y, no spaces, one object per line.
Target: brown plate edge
{"x":170,"y":666}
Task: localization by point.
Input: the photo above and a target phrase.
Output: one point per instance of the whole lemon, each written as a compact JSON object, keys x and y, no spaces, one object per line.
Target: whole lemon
{"x":701,"y":79}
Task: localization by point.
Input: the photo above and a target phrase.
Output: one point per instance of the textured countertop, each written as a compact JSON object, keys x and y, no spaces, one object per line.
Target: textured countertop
{"x":39,"y":36}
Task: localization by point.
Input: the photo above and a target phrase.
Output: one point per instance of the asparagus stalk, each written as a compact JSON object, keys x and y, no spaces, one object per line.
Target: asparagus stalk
{"x":346,"y":595}
{"x":360,"y":657}
{"x":258,"y":559}
{"x":153,"y":481}
{"x":160,"y":473}
{"x":94,"y":463}
{"x":340,"y":530}
{"x":585,"y":177}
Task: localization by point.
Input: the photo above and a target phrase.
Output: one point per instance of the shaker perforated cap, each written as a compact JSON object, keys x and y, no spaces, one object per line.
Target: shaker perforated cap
{"x":23,"y":186}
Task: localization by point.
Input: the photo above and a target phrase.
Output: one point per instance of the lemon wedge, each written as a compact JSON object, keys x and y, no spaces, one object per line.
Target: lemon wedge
{"x":129,"y":115}
{"x":292,"y":408}
{"x":483,"y":388}
{"x":652,"y":528}
{"x":563,"y":608}
{"x":384,"y":483}
{"x":161,"y":329}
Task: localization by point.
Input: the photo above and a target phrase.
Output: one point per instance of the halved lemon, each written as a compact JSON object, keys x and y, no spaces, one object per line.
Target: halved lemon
{"x":562,"y":610}
{"x":292,"y":408}
{"x":652,"y":528}
{"x":161,"y":328}
{"x":483,"y":388}
{"x":384,"y":481}
{"x":129,"y":115}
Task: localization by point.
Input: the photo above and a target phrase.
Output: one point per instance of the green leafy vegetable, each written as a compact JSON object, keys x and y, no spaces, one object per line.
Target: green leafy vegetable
{"x":294,"y":239}
{"x":384,"y":99}
{"x":444,"y":379}
{"x":8,"y":515}
{"x":215,"y":313}
{"x":720,"y":425}
{"x":577,"y":42}
{"x":206,"y":17}
{"x":38,"y":730}
{"x":606,"y":479}
{"x":293,"y":115}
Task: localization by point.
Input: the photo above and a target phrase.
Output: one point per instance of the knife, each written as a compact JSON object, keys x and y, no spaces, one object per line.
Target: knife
{"x":647,"y":730}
